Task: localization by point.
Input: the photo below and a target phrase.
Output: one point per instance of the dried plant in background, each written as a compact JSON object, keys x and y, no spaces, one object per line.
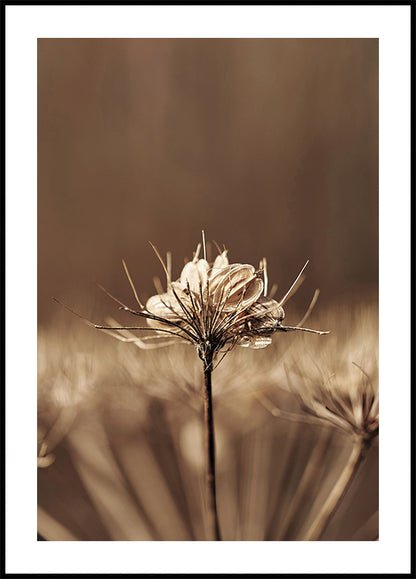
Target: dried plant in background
{"x":67,"y":377}
{"x":337,"y":386}
{"x":346,"y":396}
{"x":131,"y":465}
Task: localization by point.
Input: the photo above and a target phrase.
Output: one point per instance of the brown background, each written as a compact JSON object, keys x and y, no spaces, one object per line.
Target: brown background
{"x":270,"y":145}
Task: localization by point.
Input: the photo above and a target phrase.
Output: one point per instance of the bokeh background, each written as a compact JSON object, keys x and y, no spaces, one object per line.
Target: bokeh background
{"x":269,"y":145}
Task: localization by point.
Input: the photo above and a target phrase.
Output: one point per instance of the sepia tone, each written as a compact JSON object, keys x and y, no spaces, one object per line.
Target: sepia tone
{"x":271,"y":147}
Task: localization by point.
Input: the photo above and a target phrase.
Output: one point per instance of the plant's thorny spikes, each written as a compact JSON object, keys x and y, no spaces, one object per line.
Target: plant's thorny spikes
{"x":214,"y":306}
{"x":218,"y":306}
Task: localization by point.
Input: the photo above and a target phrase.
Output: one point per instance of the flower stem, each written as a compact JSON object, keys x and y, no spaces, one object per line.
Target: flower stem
{"x":339,"y":490}
{"x":210,"y":455}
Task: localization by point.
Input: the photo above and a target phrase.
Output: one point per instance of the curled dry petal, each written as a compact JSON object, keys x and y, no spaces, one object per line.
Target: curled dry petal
{"x":235,"y":285}
{"x":220,"y":261}
{"x":195,"y":274}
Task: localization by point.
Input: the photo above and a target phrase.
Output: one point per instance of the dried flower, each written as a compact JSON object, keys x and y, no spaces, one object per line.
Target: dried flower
{"x":213,"y":306}
{"x":342,"y":390}
{"x":350,"y":406}
{"x":210,"y":306}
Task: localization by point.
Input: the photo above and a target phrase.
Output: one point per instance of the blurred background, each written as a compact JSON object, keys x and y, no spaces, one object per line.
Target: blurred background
{"x":121,"y":443}
{"x":270,"y":145}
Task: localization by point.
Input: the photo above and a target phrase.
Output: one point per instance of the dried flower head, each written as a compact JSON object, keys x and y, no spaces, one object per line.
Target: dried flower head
{"x":213,"y":306}
{"x":339,"y":383}
{"x":351,"y":403}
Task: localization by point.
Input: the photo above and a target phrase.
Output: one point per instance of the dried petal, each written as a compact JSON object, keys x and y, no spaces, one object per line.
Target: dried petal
{"x":195,"y":273}
{"x":235,"y":286}
{"x":219,"y":262}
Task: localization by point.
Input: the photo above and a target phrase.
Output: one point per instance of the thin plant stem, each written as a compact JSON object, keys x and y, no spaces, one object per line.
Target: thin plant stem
{"x":214,"y":527}
{"x":339,"y":490}
{"x":306,"y":485}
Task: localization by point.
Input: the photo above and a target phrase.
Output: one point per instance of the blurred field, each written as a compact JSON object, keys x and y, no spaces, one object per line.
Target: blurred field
{"x":125,"y":429}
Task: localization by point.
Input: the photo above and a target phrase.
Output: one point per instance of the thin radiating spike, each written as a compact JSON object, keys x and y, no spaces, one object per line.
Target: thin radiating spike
{"x":161,"y":261}
{"x":204,"y":246}
{"x":217,"y":247}
{"x":196,"y":254}
{"x":158,"y":285}
{"x":286,"y":296}
{"x":142,"y":342}
{"x":265,"y":276}
{"x":292,"y":328}
{"x":132,"y":284}
{"x":102,"y":288}
{"x":169,"y":265}
{"x":310,"y":308}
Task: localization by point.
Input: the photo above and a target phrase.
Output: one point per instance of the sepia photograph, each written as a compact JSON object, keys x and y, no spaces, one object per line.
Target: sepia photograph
{"x":191,"y":387}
